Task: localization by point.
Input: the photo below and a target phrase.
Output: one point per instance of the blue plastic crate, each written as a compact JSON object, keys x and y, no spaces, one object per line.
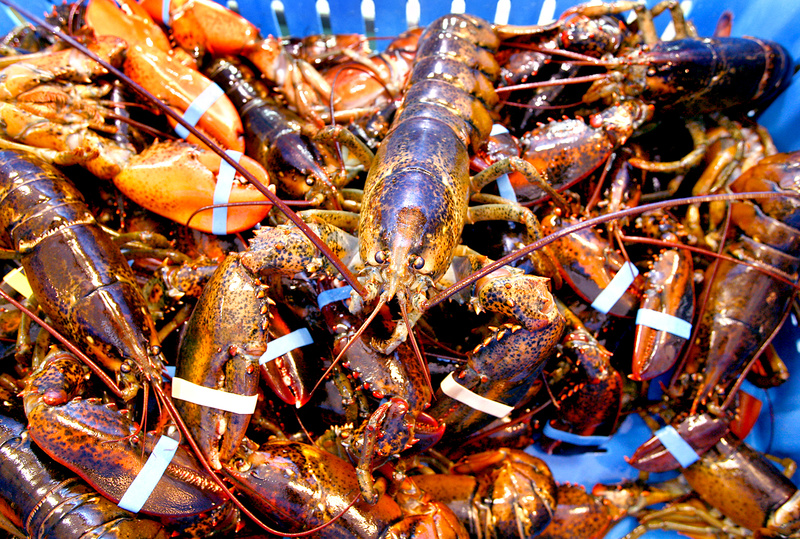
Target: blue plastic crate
{"x":769,"y":19}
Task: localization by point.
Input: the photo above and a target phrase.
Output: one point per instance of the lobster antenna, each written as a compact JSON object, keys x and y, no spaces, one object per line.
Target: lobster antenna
{"x":543,"y":84}
{"x":415,"y":346}
{"x":771,"y":272}
{"x":538,"y":244}
{"x":346,"y":273}
{"x":200,"y":210}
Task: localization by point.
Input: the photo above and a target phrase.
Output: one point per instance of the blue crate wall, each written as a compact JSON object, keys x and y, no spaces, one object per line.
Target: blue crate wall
{"x":769,"y":19}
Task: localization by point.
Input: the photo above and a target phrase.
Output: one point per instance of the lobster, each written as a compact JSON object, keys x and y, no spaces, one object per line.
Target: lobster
{"x":56,"y":416}
{"x":444,"y":114}
{"x":275,"y":136}
{"x":503,"y":493}
{"x":54,"y":503}
{"x":201,"y":26}
{"x":721,"y":356}
{"x":730,"y":479}
{"x":87,"y":289}
{"x":689,"y":74}
{"x":302,"y":498}
{"x":70,"y":143}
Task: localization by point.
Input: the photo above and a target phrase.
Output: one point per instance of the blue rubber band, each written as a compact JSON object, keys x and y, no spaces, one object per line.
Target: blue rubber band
{"x":198,"y":107}
{"x":326,"y":297}
{"x":285,"y":344}
{"x":145,"y":482}
{"x":606,"y":300}
{"x":677,"y":446}
{"x":505,"y":188}
{"x":572,"y":438}
{"x":170,"y":369}
{"x":664,"y":322}
{"x":165,"y":12}
{"x":222,"y":194}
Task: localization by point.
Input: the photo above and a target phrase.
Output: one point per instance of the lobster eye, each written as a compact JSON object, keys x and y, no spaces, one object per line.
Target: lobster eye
{"x":417,"y":262}
{"x":381,"y":256}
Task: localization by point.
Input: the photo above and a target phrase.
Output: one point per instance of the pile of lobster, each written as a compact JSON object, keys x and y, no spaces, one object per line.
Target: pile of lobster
{"x":467,"y":276}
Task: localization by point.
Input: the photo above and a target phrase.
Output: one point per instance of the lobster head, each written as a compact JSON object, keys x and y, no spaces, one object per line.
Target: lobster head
{"x":407,"y":233}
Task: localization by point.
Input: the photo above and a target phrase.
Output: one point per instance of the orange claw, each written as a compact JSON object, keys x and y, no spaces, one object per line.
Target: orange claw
{"x":130,"y":22}
{"x":175,"y":179}
{"x":204,"y":25}
{"x":179,"y":86}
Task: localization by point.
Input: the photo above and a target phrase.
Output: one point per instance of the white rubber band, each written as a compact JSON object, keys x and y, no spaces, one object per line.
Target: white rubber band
{"x":285,"y":344}
{"x":616,"y":288}
{"x":454,"y":390}
{"x":145,"y":482}
{"x":506,"y":189}
{"x":498,"y":129}
{"x":16,"y":279}
{"x":213,"y":398}
{"x":664,"y":322}
{"x":165,"y":12}
{"x":677,"y":446}
{"x":198,"y":107}
{"x":222,"y":194}
{"x":326,"y":297}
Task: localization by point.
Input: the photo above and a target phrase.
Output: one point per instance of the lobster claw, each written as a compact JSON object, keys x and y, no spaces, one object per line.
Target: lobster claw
{"x":175,"y":179}
{"x":668,"y":291}
{"x":133,"y":24}
{"x":204,"y":26}
{"x":301,"y":486}
{"x":292,"y":374}
{"x":224,"y":338}
{"x":180,"y":87}
{"x":701,"y":432}
{"x":96,"y":441}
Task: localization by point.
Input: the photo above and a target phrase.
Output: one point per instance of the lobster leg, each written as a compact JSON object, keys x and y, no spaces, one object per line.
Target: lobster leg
{"x":503,"y":493}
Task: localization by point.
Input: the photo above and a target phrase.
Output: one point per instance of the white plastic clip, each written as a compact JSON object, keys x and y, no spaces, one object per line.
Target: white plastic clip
{"x":664,"y":322}
{"x":285,"y":344}
{"x":198,"y":107}
{"x":222,"y":194}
